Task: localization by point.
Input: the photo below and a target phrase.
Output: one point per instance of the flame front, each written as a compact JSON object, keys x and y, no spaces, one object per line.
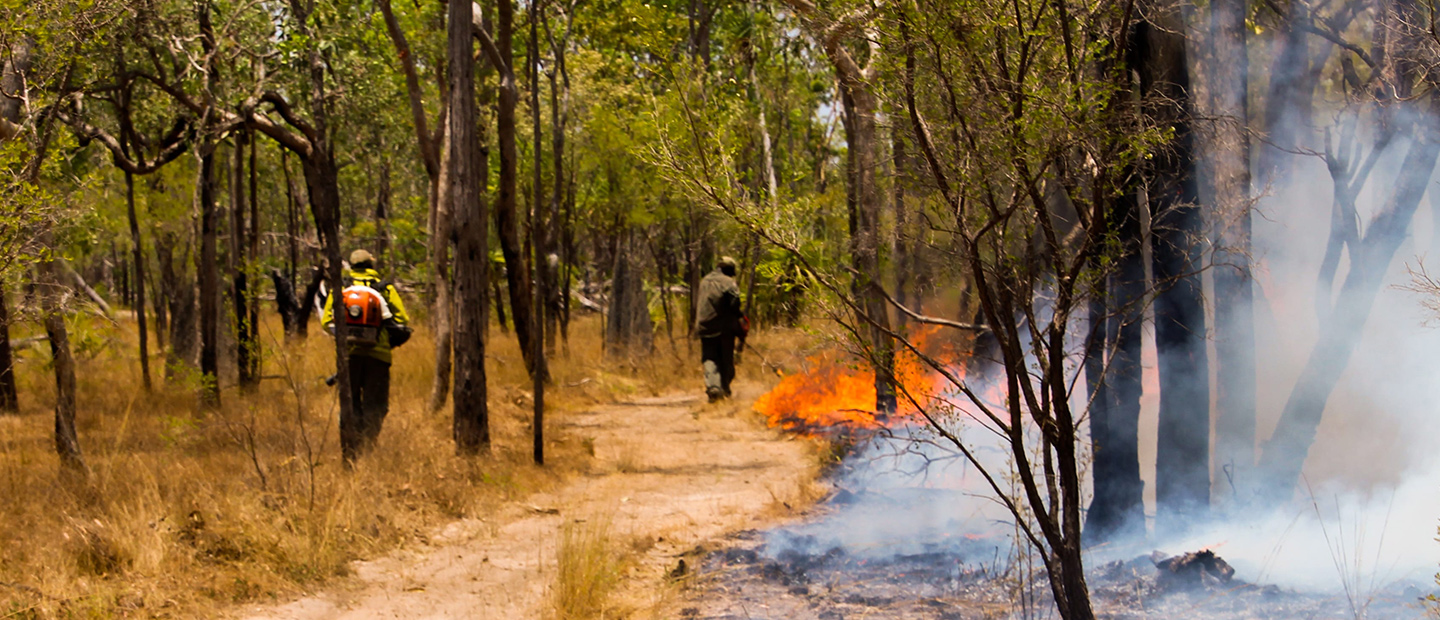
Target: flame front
{"x":837,"y":392}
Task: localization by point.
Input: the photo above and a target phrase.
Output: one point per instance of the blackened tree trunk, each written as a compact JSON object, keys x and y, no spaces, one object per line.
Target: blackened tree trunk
{"x":1117,"y":511}
{"x":1230,"y":225}
{"x":1182,"y":454}
{"x":472,"y":261}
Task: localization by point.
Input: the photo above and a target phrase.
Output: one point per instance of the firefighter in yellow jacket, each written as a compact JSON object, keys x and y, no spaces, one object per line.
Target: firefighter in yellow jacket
{"x":376,"y":322}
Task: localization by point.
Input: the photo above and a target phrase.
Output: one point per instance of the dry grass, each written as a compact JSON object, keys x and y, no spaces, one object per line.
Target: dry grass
{"x":185,"y":513}
{"x":588,"y":567}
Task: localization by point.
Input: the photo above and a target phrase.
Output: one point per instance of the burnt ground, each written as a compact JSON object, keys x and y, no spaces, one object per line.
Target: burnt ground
{"x":779,"y":575}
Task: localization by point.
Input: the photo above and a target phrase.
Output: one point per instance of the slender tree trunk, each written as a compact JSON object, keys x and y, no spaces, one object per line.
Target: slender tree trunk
{"x":517,"y":267}
{"x":292,"y":224}
{"x":472,"y":261}
{"x":559,"y":116}
{"x":12,"y":79}
{"x":180,"y":294}
{"x":252,"y":298}
{"x":440,"y":242}
{"x":628,"y":327}
{"x":1117,"y":511}
{"x":1182,"y":454}
{"x":539,"y":242}
{"x":864,"y":197}
{"x":499,"y":293}
{"x":1234,"y":297}
{"x":207,"y":271}
{"x":239,"y":288}
{"x":138,"y":257}
{"x":9,"y":397}
{"x":67,"y":443}
{"x":901,"y":261}
{"x":159,"y":302}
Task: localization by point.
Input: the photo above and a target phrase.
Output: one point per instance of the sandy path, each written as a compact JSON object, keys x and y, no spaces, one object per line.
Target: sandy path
{"x":669,"y":474}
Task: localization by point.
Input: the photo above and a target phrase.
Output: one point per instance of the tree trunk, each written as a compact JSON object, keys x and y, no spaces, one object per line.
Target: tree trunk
{"x":1182,"y":453}
{"x":180,"y":293}
{"x":51,"y":281}
{"x":539,"y":242}
{"x":9,"y":397}
{"x":1117,"y":511}
{"x":292,"y":226}
{"x":628,"y":327}
{"x":901,"y":251}
{"x":472,"y":261}
{"x":207,"y":272}
{"x":517,"y":267}
{"x":559,"y":116}
{"x":1283,"y":455}
{"x":239,"y":287}
{"x":1230,"y":222}
{"x":138,"y":257}
{"x":864,"y":200}
{"x":253,"y":297}
{"x":499,"y":294}
{"x":440,"y":242}
{"x":287,"y":305}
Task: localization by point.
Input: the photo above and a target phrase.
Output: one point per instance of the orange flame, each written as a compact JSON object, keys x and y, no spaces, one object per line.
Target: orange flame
{"x":838,"y":392}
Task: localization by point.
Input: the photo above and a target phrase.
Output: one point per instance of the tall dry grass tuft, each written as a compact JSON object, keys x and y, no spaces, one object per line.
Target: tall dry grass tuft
{"x":588,"y":567}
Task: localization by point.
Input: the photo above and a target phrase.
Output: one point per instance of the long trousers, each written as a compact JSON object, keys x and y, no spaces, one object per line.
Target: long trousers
{"x":370,"y":402}
{"x":718,"y":356}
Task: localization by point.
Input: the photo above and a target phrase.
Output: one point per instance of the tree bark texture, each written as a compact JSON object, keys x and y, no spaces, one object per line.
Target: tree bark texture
{"x":472,"y":261}
{"x":863,"y":196}
{"x":52,"y":294}
{"x":239,"y":282}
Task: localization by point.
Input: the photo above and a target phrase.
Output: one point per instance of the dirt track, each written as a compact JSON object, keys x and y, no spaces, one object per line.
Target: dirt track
{"x":669,"y":474}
